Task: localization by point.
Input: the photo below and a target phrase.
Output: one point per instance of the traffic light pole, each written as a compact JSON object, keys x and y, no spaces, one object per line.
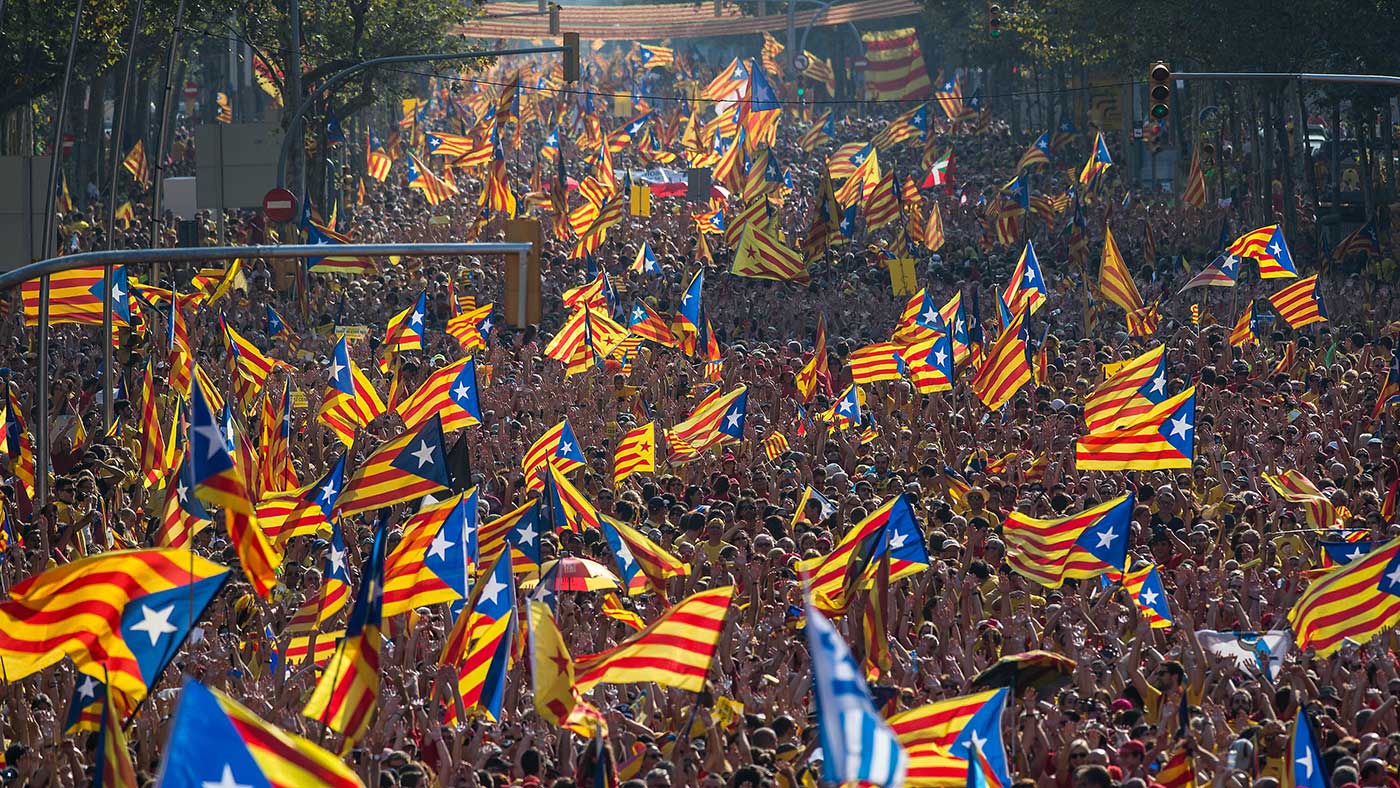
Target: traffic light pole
{"x":294,"y":126}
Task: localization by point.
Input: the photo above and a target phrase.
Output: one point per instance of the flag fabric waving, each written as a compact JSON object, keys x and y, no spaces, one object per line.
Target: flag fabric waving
{"x":1083,"y":545}
{"x":941,"y":738}
{"x":636,"y":452}
{"x":214,"y":740}
{"x":449,"y":393}
{"x":891,"y":530}
{"x":1144,"y":585}
{"x":347,"y":692}
{"x":1300,"y":304}
{"x":149,"y":598}
{"x":674,"y":651}
{"x":1307,"y":766}
{"x":1005,"y":369}
{"x":857,"y":744}
{"x":434,"y":558}
{"x":404,"y":468}
{"x":1160,"y":439}
{"x":351,"y":401}
{"x":557,"y":444}
{"x":1353,"y":603}
{"x":479,"y":645}
{"x":219,"y":480}
{"x":1266,"y":246}
{"x":1130,"y":391}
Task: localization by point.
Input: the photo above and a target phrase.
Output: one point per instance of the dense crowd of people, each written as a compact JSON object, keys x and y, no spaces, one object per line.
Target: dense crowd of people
{"x":1233,"y":555}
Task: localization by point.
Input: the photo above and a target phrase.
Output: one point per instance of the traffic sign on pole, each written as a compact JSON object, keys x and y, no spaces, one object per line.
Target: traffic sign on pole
{"x":280,"y":205}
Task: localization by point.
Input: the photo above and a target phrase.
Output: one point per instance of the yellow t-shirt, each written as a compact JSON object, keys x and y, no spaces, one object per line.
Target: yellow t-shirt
{"x":1152,"y":702}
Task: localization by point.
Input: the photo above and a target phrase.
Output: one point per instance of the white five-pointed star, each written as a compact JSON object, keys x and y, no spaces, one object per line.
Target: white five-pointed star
{"x":1030,"y":275}
{"x":638,"y":315}
{"x":1159,"y":384}
{"x":416,"y":318}
{"x":685,"y":299}
{"x":328,"y":489}
{"x":1229,"y":262}
{"x":460,"y":393}
{"x":88,"y":689}
{"x":424,"y":454}
{"x":527,"y":534}
{"x":846,"y":406}
{"x":117,"y":290}
{"x":897,"y":541}
{"x":1180,"y":426}
{"x":1394,"y":576}
{"x":734,"y":418}
{"x":1274,"y":249}
{"x":182,"y":491}
{"x":336,"y":369}
{"x":493,"y":588}
{"x":226,"y":781}
{"x":1149,"y":598}
{"x":930,"y":316}
{"x":1306,"y":762}
{"x":440,"y":546}
{"x":958,"y":326}
{"x":1106,"y":537}
{"x":214,"y":436}
{"x":978,"y":740}
{"x":1354,"y":554}
{"x":624,"y":555}
{"x":566,"y":448}
{"x":337,"y":561}
{"x":155,"y":622}
{"x":484,"y":327}
{"x":941,"y":355}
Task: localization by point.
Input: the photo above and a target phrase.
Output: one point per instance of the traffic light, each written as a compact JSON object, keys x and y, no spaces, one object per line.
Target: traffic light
{"x":1207,"y":155}
{"x":994,"y":19}
{"x":571,"y":47}
{"x":1160,"y":90}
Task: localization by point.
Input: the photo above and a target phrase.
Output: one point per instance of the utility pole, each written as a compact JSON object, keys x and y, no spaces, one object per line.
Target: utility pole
{"x":293,"y":99}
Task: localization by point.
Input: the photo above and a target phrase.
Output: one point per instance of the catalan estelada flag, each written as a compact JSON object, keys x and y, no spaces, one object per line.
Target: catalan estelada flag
{"x":1144,"y":585}
{"x":646,"y":323}
{"x":1005,"y":369}
{"x":450,"y":393}
{"x":1223,"y":271}
{"x":641,"y":562}
{"x":1300,"y":304}
{"x":1025,"y":290}
{"x":76,"y":297}
{"x":717,"y":420}
{"x":1267,"y":246}
{"x":1130,"y":390}
{"x":113,"y":768}
{"x":305,"y":511}
{"x":559,"y":444}
{"x":434,"y":558}
{"x":218,"y":480}
{"x":1162,"y":438}
{"x":347,"y":693}
{"x":952,"y":728}
{"x":479,"y":645}
{"x":405,"y":329}
{"x":183,"y":515}
{"x":686,"y":325}
{"x":17,"y":444}
{"x":566,"y":508}
{"x":433,"y":188}
{"x":1087,"y":544}
{"x":150,"y":598}
{"x":216,"y":741}
{"x":1098,"y":163}
{"x":403,"y":468}
{"x":1353,"y":603}
{"x":1245,"y":332}
{"x":1037,"y":153}
{"x":520,"y":530}
{"x":891,"y":530}
{"x":86,"y":707}
{"x":874,"y":363}
{"x":636,"y":452}
{"x":674,"y":651}
{"x":351,"y":400}
{"x":334,"y":593}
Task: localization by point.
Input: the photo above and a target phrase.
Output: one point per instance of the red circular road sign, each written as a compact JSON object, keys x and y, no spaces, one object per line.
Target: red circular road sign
{"x":280,"y":205}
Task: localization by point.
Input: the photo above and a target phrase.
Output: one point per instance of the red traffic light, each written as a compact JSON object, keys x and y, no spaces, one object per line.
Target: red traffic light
{"x":1160,"y":72}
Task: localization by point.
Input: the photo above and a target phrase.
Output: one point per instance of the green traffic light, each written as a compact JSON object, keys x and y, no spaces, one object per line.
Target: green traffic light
{"x":1160,"y":111}
{"x":801,"y":91}
{"x":996,"y":34}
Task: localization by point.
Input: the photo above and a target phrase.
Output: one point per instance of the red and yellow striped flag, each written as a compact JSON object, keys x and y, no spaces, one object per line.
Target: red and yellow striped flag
{"x":636,"y":452}
{"x":1353,"y":603}
{"x":774,"y":445}
{"x":674,"y":651}
{"x":1005,"y":369}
